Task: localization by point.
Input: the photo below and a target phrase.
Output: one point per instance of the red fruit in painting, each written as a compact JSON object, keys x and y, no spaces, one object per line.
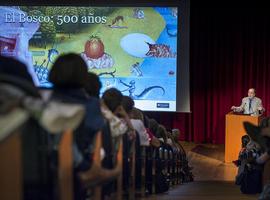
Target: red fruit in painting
{"x":94,"y":47}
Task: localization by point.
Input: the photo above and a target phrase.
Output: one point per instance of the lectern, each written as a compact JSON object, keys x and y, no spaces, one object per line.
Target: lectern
{"x":234,"y":131}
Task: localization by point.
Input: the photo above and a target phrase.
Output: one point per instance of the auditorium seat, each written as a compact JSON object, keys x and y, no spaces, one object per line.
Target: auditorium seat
{"x":266,"y":173}
{"x":11,"y":163}
{"x":65,"y":166}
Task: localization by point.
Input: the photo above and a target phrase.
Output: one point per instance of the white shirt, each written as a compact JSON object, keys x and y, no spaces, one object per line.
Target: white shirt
{"x":139,"y":127}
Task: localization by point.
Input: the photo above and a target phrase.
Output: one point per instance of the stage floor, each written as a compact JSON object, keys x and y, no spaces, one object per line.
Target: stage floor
{"x":208,"y":164}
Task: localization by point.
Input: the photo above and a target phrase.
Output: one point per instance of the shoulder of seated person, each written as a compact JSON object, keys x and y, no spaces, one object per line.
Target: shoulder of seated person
{"x":94,"y":99}
{"x":94,"y":102}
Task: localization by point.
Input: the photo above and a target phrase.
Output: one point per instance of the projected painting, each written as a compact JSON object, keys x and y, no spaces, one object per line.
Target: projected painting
{"x":133,"y":49}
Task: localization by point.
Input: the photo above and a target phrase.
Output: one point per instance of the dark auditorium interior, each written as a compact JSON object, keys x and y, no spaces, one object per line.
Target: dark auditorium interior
{"x":163,"y":100}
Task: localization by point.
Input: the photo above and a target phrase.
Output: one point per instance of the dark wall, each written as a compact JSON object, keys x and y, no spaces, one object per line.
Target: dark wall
{"x":229,"y":53}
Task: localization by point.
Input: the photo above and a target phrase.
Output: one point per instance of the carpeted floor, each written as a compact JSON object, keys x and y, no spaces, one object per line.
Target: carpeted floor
{"x":210,"y":150}
{"x":204,"y":190}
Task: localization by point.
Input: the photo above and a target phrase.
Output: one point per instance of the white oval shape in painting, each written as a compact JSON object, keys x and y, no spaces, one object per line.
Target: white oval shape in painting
{"x":135,"y":44}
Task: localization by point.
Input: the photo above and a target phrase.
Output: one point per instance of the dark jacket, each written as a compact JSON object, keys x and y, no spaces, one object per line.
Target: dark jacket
{"x":92,"y":122}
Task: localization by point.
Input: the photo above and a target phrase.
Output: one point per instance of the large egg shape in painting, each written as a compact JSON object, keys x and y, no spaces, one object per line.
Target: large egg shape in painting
{"x":135,"y":44}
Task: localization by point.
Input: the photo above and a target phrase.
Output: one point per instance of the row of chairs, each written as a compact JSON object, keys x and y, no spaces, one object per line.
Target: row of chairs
{"x":145,"y":170}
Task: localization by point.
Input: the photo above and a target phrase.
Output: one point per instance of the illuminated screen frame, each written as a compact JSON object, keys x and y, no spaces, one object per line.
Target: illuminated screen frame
{"x":182,"y":103}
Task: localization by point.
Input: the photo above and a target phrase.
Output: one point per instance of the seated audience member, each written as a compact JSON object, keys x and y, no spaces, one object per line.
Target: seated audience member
{"x":175,"y":137}
{"x":15,"y":68}
{"x":68,"y":76}
{"x":114,"y":128}
{"x":174,"y":143}
{"x":153,"y":126}
{"x":92,"y":87}
{"x":245,"y":140}
{"x":153,"y":140}
{"x":146,"y":125}
{"x":18,"y":92}
{"x":15,"y":73}
{"x":260,"y":135}
{"x":169,"y":139}
{"x":162,"y":134}
{"x":17,"y":86}
{"x":137,"y":114}
{"x":249,"y":175}
{"x":137,"y":122}
{"x":112,"y":98}
{"x":128,"y":104}
{"x":186,"y":170}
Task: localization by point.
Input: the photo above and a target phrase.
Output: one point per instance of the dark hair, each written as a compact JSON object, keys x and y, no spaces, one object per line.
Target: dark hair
{"x":153,"y":126}
{"x":162,"y":132}
{"x":93,"y":85}
{"x":12,"y":67}
{"x":15,"y":73}
{"x":69,"y":71}
{"x":127,"y":103}
{"x":245,"y":140}
{"x":112,"y":98}
{"x":146,"y":120}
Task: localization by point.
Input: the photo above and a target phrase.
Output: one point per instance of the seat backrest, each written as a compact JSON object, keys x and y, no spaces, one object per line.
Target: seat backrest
{"x":65,"y":166}
{"x":10,"y":168}
{"x":37,"y":172}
